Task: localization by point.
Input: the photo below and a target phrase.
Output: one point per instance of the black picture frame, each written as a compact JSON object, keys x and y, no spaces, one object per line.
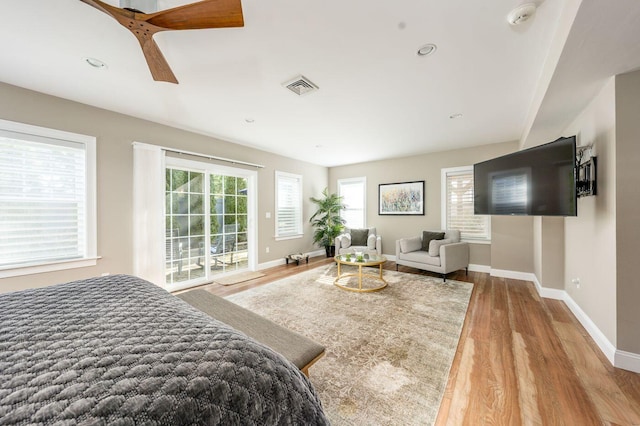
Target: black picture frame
{"x":401,"y":198}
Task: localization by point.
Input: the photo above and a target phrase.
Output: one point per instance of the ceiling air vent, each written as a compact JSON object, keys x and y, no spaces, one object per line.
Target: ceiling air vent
{"x":301,"y":85}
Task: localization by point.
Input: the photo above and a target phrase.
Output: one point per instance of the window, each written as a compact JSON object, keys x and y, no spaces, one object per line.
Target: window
{"x":354,"y":196}
{"x":47,"y":200}
{"x":457,"y":205}
{"x":207,"y":229}
{"x":288,"y":205}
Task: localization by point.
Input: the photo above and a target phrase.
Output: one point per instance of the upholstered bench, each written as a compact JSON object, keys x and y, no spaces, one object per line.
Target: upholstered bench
{"x":301,"y":351}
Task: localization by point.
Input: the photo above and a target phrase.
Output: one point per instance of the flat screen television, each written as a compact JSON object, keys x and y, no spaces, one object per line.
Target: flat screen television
{"x":538,"y":181}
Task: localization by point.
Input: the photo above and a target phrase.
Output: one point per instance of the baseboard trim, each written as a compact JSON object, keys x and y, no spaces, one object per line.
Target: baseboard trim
{"x":607,"y":348}
{"x":627,"y":361}
{"x":282,"y":261}
{"x":480,"y":268}
{"x":619,"y":359}
{"x":514,"y":275}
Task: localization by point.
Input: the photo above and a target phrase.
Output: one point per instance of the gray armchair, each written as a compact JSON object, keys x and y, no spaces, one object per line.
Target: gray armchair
{"x":364,"y":240}
{"x":442,"y":255}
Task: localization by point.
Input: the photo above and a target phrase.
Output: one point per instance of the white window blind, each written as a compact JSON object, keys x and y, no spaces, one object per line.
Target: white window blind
{"x":353,"y":193}
{"x":458,"y":205}
{"x":44,"y":205}
{"x":288,"y":205}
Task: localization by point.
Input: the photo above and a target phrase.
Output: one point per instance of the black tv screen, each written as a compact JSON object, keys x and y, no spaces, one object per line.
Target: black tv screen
{"x":539,"y":181}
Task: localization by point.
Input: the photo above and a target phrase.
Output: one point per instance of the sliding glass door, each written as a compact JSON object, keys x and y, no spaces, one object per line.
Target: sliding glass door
{"x":208,"y":217}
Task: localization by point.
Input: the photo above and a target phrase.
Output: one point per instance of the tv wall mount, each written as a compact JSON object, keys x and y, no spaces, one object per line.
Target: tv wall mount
{"x":586,"y":171}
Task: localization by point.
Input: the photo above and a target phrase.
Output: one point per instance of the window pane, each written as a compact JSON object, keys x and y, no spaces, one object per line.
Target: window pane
{"x":43,"y":211}
{"x":216,"y":184}
{"x":230,"y":204}
{"x":242,"y":186}
{"x":460,"y":215}
{"x":195,"y":182}
{"x":353,"y":193}
{"x":229,"y":185}
{"x":288,"y":204}
{"x":179,"y":180}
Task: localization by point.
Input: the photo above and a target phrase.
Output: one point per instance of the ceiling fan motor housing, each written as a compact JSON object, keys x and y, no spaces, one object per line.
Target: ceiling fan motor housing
{"x":521,"y":13}
{"x":140,"y":6}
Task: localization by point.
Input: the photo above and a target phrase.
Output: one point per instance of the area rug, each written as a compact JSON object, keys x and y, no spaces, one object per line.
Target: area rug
{"x":388,"y":353}
{"x":238,"y":278}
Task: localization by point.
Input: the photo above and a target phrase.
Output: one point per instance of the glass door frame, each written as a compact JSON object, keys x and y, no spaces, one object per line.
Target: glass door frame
{"x":252,"y":210}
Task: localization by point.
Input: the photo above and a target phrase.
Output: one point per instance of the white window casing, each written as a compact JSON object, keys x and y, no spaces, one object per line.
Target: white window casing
{"x":47,"y":200}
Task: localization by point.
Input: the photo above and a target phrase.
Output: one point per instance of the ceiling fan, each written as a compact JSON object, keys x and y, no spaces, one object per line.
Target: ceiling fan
{"x":199,"y":15}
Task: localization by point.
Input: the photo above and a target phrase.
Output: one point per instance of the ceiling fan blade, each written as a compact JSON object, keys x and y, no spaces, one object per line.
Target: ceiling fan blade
{"x":158,"y":65}
{"x":199,"y":15}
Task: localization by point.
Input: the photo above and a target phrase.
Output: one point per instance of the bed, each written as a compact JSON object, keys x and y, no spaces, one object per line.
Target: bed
{"x":120,"y":350}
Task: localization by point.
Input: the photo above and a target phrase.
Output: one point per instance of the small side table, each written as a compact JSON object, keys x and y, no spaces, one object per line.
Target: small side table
{"x":297,"y":258}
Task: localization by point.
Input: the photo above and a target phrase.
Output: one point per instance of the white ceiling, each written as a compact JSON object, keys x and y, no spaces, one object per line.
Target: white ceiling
{"x":377,"y":98}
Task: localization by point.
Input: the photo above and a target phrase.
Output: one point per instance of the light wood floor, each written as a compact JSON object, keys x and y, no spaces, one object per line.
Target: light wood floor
{"x":521,"y":359}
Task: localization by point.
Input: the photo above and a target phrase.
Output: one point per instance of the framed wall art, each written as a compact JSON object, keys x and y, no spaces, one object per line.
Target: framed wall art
{"x":404,"y":198}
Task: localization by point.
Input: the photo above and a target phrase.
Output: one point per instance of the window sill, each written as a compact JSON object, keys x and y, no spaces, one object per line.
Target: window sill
{"x":288,"y":237}
{"x":470,"y":241}
{"x":48,"y":267}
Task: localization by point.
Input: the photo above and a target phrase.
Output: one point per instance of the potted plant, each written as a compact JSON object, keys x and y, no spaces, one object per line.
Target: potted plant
{"x":327,"y":221}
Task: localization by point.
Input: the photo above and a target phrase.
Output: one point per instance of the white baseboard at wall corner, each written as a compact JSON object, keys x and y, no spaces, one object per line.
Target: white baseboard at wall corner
{"x":607,"y":348}
{"x":627,"y":361}
{"x":514,"y":275}
{"x":480,"y":268}
{"x":619,"y":359}
{"x":549,"y":293}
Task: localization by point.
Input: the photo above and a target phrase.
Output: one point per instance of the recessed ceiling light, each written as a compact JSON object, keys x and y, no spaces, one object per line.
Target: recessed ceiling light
{"x":96,"y":63}
{"x":249,"y":120}
{"x":427,"y":49}
{"x":455,"y":116}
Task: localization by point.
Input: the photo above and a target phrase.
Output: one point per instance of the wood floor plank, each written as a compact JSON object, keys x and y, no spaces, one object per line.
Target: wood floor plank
{"x":521,"y":359}
{"x":527,"y":391}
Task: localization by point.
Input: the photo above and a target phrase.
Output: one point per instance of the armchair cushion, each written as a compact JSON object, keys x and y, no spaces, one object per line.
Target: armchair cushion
{"x":359,"y":237}
{"x":410,"y":244}
{"x":427,"y":236}
{"x":343,"y":241}
{"x":434,"y":246}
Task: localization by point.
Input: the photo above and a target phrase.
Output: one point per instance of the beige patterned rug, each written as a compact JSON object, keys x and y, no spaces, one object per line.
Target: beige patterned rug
{"x":388,"y":353}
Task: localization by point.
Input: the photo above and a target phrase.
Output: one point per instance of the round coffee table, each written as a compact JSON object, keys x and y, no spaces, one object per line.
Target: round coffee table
{"x":371,"y":260}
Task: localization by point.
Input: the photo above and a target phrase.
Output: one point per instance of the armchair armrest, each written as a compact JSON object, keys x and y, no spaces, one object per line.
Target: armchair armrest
{"x":374,"y":242}
{"x":454,"y":256}
{"x":343,"y":241}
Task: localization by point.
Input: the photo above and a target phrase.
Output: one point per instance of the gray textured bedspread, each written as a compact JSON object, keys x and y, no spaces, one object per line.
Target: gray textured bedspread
{"x":119,"y":350}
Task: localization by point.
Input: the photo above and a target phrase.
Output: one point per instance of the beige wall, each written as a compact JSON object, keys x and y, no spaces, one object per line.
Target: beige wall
{"x":590,"y":238}
{"x":552,"y":252}
{"x":115,"y":133}
{"x":627,"y":89}
{"x":512,"y":243}
{"x":425,"y":167}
